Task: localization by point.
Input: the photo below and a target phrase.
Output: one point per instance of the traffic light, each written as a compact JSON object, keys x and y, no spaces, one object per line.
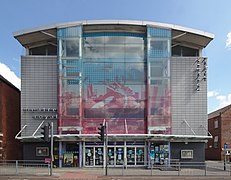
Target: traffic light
{"x":45,"y":133}
{"x":101,"y":132}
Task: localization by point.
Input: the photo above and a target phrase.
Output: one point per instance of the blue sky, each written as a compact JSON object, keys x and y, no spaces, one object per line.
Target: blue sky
{"x":206,"y":15}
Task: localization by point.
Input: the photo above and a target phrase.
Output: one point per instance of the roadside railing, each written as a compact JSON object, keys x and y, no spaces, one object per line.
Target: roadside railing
{"x":168,"y":168}
{"x":173,"y":169}
{"x":24,"y":167}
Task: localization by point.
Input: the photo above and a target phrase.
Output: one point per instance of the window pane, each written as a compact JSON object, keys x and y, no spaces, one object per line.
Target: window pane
{"x":72,"y":48}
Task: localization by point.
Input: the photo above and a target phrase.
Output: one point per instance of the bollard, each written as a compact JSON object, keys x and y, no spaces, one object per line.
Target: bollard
{"x":179,"y":169}
{"x":16,"y":166}
{"x":230,"y":171}
{"x":224,"y":165}
{"x":205,"y":169}
{"x":123,"y":169}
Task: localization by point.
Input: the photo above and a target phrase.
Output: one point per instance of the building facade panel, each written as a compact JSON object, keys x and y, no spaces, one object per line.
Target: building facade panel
{"x":39,"y":92}
{"x":196,"y":151}
{"x":189,"y":95}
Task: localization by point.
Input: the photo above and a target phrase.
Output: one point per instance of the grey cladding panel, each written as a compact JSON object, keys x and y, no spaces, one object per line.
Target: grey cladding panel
{"x":189,"y":107}
{"x":39,"y":90}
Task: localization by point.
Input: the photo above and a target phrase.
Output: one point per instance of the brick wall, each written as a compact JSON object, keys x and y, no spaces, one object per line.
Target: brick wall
{"x":224,"y":135}
{"x":213,"y":153}
{"x":9,"y":120}
{"x":226,"y":130}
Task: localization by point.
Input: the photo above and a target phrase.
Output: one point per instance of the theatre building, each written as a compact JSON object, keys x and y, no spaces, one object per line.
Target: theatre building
{"x":147,"y":81}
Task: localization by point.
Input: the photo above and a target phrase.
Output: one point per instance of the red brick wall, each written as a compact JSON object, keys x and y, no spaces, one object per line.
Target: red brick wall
{"x":10,"y":121}
{"x":224,"y":136}
{"x":212,"y":153}
{"x":226,"y":130}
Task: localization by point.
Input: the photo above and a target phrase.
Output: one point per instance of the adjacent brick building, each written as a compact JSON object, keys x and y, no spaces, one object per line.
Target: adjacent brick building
{"x":219,"y":125}
{"x":10,"y":148}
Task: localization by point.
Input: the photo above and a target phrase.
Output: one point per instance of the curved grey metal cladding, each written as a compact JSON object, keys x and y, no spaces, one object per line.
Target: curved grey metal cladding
{"x":189,"y":95}
{"x":38,"y":93}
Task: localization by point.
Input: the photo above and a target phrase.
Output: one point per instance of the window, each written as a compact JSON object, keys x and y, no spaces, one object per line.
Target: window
{"x":206,"y":145}
{"x":215,"y":142}
{"x":216,"y":124}
{"x":159,"y":48}
{"x":70,"y":47}
{"x":184,"y":51}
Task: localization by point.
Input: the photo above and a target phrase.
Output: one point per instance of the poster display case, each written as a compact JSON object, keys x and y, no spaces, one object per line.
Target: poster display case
{"x":159,"y":153}
{"x":119,"y":155}
{"x":130,"y":155}
{"x":139,"y":155}
{"x":98,"y":156}
{"x":111,"y":156}
{"x":89,"y":156}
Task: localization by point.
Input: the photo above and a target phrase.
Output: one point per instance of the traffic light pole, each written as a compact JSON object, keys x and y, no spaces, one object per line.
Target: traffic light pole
{"x":51,"y":164}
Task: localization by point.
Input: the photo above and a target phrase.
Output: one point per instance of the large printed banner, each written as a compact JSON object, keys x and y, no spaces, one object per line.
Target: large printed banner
{"x":118,"y":77}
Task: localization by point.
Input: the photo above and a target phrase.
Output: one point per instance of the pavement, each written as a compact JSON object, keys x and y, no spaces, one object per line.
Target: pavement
{"x":124,"y":174}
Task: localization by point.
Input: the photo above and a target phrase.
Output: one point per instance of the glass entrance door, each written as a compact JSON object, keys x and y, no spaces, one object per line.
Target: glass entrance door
{"x":89,"y":156}
{"x":111,"y":156}
{"x":119,"y":155}
{"x":139,"y":155}
{"x":98,"y":156}
{"x":130,"y":155}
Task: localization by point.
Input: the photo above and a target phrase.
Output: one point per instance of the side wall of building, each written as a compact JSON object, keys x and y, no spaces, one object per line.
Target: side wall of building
{"x":10,"y":122}
{"x":197,"y":149}
{"x":213,"y":149}
{"x":189,"y":106}
{"x":226,"y":133}
{"x":39,"y":92}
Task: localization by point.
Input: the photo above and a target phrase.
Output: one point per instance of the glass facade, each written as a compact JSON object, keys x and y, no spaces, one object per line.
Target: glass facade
{"x":120,"y":77}
{"x":69,"y":59}
{"x":159,"y":92}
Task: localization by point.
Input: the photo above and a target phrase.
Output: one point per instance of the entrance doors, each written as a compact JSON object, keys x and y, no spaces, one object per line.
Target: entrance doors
{"x":89,"y":156}
{"x":99,"y":156}
{"x":94,"y":156}
{"x":135,"y":156}
{"x":111,"y":156}
{"x":118,"y":154}
{"x":140,"y":155}
{"x":71,"y":155}
{"x":130,"y":155}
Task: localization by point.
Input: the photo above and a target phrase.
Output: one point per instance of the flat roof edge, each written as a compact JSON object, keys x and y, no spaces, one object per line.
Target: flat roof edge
{"x":128,"y":22}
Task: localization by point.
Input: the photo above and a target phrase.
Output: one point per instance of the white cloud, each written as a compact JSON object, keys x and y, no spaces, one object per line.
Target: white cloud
{"x":221,"y":100}
{"x":228,"y":40}
{"x":10,"y":75}
{"x":212,"y":93}
{"x":224,"y":100}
